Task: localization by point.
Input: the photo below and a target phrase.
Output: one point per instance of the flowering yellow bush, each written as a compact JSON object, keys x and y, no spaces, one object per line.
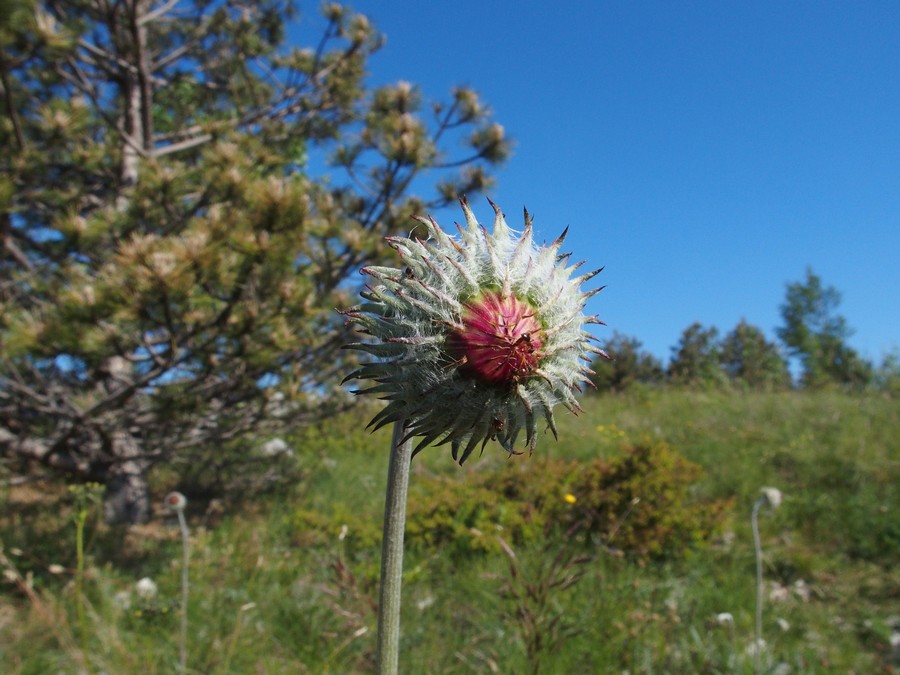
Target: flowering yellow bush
{"x":641,"y":503}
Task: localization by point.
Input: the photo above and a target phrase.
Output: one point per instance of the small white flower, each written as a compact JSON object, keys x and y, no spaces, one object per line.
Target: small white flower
{"x":783,"y":624}
{"x":801,"y":590}
{"x":343,"y":533}
{"x":772,"y":496}
{"x":756,"y":647}
{"x":56,"y":569}
{"x":146,"y":588}
{"x":778,"y":593}
{"x":425,"y":603}
{"x":725,"y":619}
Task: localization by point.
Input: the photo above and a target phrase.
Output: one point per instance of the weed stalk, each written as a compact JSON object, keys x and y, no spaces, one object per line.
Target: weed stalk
{"x":176,"y":502}
{"x":537,"y":616}
{"x":84,"y":496}
{"x":80,"y":519}
{"x":770,"y":497}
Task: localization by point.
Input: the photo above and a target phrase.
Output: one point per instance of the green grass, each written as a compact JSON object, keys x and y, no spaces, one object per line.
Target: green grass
{"x":271,"y":593}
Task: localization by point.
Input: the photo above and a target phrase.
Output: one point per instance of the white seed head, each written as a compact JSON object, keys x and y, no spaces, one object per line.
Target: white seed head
{"x":725,"y":619}
{"x":772,"y":496}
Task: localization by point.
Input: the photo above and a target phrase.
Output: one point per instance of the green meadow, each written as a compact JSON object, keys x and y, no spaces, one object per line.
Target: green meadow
{"x":625,"y":546}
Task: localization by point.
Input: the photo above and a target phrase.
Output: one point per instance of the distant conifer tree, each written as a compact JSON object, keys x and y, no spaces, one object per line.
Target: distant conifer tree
{"x":695,"y":359}
{"x":749,"y":359}
{"x":629,"y":365}
{"x":815,"y":333}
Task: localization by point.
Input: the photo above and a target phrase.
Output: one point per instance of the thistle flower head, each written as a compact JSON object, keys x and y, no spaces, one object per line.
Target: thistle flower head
{"x":175,"y":502}
{"x":476,"y":336}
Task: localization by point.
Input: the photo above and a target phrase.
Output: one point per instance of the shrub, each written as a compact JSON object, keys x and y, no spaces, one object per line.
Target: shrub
{"x":642,"y":502}
{"x":466,"y":516}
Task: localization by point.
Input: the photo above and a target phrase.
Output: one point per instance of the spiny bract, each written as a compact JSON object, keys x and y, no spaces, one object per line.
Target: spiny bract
{"x":477,"y":336}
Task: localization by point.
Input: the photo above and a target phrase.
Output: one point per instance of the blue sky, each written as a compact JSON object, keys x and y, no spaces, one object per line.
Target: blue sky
{"x":706,"y":153}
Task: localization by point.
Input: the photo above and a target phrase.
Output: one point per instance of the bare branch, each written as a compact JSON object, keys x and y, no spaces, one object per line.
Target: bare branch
{"x":153,"y":15}
{"x":186,"y":144}
{"x":37,"y":450}
{"x":139,"y":37}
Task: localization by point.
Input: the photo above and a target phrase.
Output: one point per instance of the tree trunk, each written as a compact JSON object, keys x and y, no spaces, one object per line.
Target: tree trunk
{"x":127,"y":499}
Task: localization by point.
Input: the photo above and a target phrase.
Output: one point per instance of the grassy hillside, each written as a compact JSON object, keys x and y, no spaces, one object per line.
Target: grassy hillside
{"x":287,"y":582}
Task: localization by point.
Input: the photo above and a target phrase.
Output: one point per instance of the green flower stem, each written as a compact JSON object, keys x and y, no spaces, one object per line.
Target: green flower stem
{"x":185,"y":585}
{"x":757,"y":547}
{"x":80,"y":520}
{"x":392,"y":551}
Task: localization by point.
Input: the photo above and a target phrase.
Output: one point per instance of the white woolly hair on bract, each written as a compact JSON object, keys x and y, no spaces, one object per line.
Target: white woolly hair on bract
{"x":412,"y":312}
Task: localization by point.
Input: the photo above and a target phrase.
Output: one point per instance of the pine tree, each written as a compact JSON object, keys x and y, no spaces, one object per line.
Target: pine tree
{"x":630,"y":364}
{"x":815,"y":333}
{"x":171,"y":256}
{"x":695,"y":359}
{"x":749,"y":359}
